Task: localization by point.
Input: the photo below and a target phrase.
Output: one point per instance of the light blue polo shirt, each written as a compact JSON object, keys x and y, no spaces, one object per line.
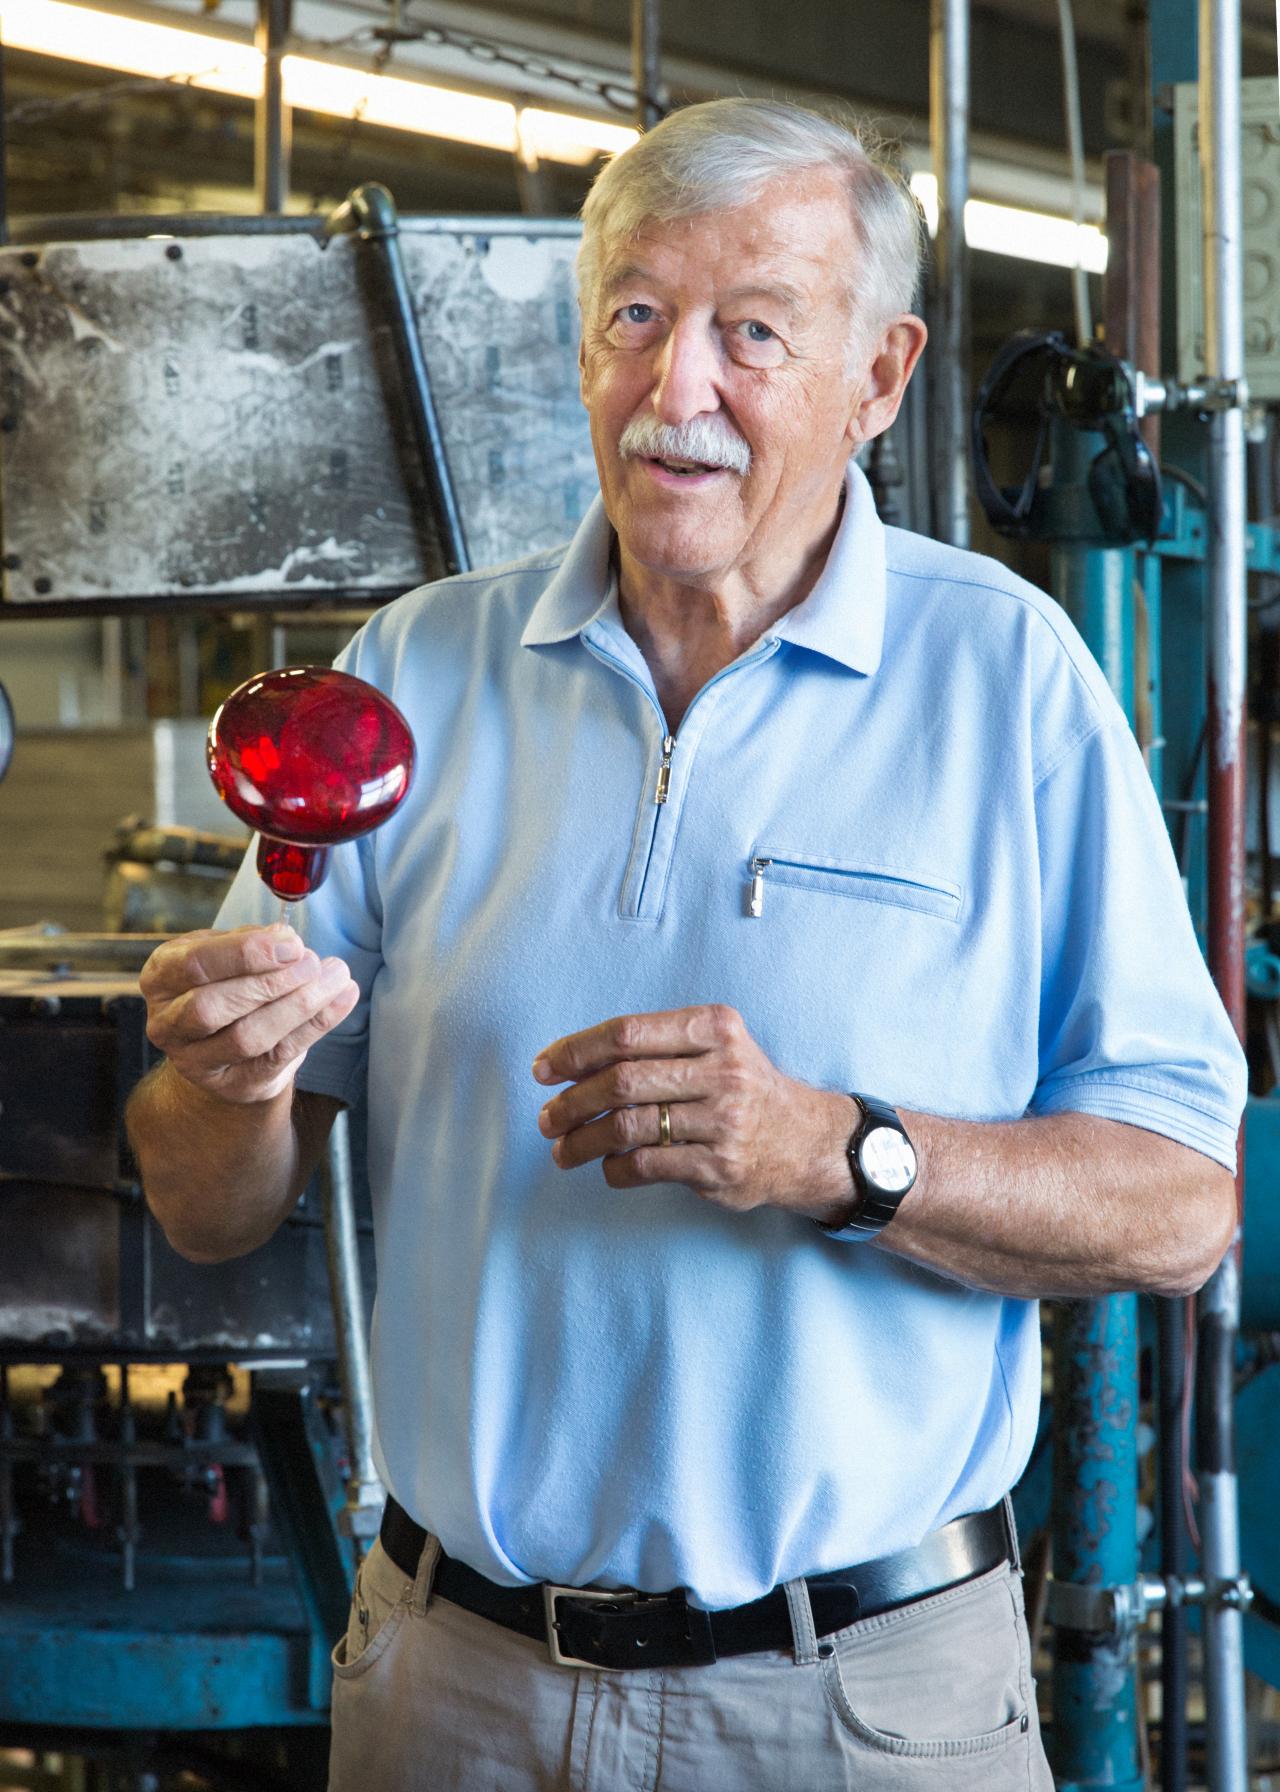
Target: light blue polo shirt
{"x":969,"y":908}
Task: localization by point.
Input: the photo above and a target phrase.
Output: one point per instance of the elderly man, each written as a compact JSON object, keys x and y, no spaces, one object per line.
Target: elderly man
{"x":777,"y":979}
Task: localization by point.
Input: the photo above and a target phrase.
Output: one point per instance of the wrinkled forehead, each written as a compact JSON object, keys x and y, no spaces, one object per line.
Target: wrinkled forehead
{"x":798,"y":247}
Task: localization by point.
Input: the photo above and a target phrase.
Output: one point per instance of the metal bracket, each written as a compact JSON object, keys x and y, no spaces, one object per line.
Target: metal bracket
{"x":361,"y":1516}
{"x":1203,"y":395}
{"x":1124,"y":1609}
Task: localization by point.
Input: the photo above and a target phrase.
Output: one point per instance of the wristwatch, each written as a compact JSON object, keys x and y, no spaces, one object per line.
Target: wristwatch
{"x":882,"y":1162}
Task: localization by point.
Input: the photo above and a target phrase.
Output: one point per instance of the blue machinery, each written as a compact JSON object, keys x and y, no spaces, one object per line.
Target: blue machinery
{"x":1166,"y":618}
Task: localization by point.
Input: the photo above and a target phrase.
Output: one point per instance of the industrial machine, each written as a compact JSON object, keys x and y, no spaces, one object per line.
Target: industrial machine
{"x":185,"y":1475}
{"x":186,"y":1478}
{"x":372,"y":401}
{"x":1135,"y":480}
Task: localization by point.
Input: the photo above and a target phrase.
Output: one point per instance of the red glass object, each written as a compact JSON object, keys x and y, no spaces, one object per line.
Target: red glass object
{"x":308,"y":757}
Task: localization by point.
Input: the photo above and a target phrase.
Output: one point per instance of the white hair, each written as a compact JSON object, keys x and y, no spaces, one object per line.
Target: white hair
{"x":722,"y":153}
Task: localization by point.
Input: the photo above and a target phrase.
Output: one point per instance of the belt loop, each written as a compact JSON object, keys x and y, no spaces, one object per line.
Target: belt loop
{"x":420,"y":1598}
{"x":804,"y":1637}
{"x":1015,"y":1554}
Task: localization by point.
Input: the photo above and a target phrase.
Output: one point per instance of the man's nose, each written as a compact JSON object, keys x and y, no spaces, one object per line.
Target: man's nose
{"x":685,"y":373}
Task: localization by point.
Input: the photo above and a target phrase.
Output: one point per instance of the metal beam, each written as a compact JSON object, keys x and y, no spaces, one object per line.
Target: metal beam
{"x":271,"y":143}
{"x":1223,"y":280}
{"x":645,"y":61}
{"x":949,"y":135}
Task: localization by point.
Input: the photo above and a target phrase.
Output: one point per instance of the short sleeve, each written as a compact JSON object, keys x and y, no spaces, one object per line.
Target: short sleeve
{"x":1131,"y":1026}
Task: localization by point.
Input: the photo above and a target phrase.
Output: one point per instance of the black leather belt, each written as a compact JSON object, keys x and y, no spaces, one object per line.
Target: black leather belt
{"x":600,"y":1628}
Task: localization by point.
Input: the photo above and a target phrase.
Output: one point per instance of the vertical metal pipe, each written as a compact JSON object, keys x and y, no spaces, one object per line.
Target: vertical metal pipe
{"x":272,"y":116}
{"x":364,"y":1490}
{"x":1223,"y":274}
{"x":1171,"y":1381}
{"x":1095,"y":588}
{"x":1223,"y":282}
{"x":1075,"y":151}
{"x":646,"y":70}
{"x":371,"y":210}
{"x":4,"y":151}
{"x":112,"y":672}
{"x":1095,"y":1539}
{"x":8,"y":1519}
{"x":1225,"y":1737}
{"x":1095,"y":1740}
{"x":949,"y":137}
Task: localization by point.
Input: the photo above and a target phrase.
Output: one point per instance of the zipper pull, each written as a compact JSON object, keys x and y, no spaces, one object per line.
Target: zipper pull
{"x":664,"y":770}
{"x":756,"y":906}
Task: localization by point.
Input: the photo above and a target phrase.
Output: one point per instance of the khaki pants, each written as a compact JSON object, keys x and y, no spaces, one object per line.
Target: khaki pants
{"x":427,"y":1697}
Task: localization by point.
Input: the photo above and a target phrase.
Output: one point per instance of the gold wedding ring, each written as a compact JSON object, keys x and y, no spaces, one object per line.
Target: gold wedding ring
{"x":664,"y":1123}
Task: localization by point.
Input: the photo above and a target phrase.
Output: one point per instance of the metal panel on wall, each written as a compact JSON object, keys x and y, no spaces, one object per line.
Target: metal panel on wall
{"x":216,"y":418}
{"x":1260,"y":153}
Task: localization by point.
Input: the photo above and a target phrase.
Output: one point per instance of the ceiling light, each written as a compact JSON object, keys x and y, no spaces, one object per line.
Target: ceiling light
{"x":228,"y":64}
{"x":1009,"y":230}
{"x":134,"y":46}
{"x":398,"y":104}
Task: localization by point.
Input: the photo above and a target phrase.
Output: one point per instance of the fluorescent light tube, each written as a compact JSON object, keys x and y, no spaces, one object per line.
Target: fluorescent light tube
{"x":226,"y":64}
{"x":1009,"y":230}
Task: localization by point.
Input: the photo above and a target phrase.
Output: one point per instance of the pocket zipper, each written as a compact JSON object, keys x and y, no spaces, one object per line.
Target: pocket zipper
{"x":756,"y":905}
{"x":758,"y":864}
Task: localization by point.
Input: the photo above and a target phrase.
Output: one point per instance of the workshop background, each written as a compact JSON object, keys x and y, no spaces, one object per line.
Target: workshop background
{"x":288,"y":325}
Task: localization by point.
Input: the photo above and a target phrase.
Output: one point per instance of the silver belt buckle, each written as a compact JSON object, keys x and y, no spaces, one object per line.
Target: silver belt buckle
{"x":598,"y":1596}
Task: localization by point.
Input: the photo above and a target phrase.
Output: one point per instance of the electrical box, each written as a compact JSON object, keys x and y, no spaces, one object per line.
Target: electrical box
{"x":1260,"y":109}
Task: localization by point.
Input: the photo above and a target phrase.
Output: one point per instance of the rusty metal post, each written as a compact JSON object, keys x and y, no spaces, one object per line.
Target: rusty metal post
{"x":1223,"y":281}
{"x":1095,"y":1541}
{"x":1131,"y":309}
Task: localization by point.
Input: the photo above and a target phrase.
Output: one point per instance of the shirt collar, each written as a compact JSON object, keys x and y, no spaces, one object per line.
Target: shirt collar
{"x":842,"y":618}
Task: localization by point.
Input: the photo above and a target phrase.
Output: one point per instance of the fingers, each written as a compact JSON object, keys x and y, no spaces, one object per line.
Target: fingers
{"x":275,"y":1069}
{"x":207,"y":956}
{"x":688,"y":1164}
{"x":259,"y":1031}
{"x":623,"y":1086}
{"x":629,"y":1129}
{"x":207,"y":1009}
{"x":678,"y":1032}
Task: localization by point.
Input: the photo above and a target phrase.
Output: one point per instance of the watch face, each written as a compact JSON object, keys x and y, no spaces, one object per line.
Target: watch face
{"x":887,"y":1160}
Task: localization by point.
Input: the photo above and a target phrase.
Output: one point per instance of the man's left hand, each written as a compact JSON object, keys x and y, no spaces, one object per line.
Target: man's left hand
{"x":742,"y":1134}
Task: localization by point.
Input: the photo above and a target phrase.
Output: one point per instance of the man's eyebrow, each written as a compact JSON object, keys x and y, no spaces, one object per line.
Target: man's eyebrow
{"x":790,"y":296}
{"x":623,"y":276}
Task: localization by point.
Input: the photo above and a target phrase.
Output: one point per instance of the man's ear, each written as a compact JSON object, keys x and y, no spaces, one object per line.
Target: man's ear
{"x":891,"y":366}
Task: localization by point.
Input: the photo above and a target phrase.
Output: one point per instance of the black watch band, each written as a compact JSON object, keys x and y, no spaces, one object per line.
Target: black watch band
{"x":882,"y":1163}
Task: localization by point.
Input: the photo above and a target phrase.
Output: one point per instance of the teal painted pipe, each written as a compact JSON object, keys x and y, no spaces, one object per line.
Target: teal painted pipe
{"x":1094,"y":1740}
{"x":1095,"y":1539}
{"x":1093,"y":582}
{"x":1260,"y":1272}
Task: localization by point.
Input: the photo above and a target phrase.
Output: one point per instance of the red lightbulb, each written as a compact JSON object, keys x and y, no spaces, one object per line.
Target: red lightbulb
{"x":309,"y":758}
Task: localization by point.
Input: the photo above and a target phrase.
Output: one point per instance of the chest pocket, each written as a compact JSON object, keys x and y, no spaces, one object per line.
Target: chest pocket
{"x":924,"y":892}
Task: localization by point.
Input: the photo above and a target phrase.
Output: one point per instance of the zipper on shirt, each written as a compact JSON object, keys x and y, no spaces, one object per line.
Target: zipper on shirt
{"x":756,"y":906}
{"x":661,"y":794}
{"x":640,"y":910}
{"x":928,"y":895}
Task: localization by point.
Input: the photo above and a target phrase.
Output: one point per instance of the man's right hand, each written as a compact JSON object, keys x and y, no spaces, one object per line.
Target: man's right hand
{"x":235,"y":1013}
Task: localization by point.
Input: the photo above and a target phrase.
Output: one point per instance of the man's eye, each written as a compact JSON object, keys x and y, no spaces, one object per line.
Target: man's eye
{"x":637,"y":313}
{"x":758,"y":332}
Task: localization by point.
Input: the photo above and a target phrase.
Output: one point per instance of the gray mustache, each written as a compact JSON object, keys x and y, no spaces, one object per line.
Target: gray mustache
{"x":700,"y":439}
